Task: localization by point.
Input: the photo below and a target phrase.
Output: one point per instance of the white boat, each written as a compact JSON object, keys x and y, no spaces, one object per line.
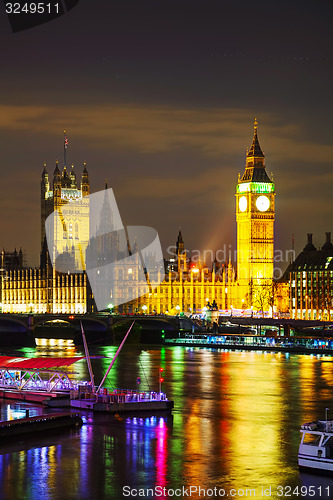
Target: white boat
{"x":88,"y":397}
{"x":316,"y":448}
{"x":119,"y":400}
{"x":40,"y":380}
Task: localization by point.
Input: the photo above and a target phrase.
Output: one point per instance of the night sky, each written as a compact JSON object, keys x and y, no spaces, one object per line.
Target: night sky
{"x":159,"y":97}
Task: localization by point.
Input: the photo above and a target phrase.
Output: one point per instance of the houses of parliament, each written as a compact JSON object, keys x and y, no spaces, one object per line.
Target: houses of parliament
{"x":188,"y":287}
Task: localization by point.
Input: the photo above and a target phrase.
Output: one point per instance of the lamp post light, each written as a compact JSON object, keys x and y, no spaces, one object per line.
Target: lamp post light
{"x":160,"y":379}
{"x":144,"y":308}
{"x":110,"y":306}
{"x":177,"y":309}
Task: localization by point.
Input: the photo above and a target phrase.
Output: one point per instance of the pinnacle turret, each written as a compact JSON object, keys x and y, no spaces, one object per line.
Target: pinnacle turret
{"x":180,"y":243}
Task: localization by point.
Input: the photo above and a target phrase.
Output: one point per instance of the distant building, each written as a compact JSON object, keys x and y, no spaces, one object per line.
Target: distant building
{"x":12,"y":260}
{"x":310,"y":279}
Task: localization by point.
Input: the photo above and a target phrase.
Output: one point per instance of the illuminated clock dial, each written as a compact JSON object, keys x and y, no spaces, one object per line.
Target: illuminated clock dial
{"x":262,"y":203}
{"x":242,"y":203}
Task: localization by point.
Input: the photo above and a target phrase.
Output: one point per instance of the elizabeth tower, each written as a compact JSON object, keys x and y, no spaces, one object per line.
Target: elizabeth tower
{"x":255,"y":214}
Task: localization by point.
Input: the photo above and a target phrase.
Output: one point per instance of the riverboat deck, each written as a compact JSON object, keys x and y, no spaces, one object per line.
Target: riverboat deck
{"x":120,"y":400}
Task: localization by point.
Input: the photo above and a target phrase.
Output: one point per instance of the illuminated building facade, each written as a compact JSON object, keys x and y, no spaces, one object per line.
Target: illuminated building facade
{"x":66,"y":237}
{"x":310,"y":278}
{"x":187,"y":287}
{"x":190,"y":288}
{"x":45,"y":290}
{"x":255,"y":214}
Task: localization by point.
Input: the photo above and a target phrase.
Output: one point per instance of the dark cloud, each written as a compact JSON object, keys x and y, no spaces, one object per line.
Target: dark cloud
{"x":160,"y":97}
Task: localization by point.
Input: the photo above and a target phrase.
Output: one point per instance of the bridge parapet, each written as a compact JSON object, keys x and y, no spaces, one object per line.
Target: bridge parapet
{"x":31,"y":321}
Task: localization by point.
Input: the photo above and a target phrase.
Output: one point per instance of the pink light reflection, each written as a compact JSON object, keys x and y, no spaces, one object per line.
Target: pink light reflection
{"x":161,"y":433}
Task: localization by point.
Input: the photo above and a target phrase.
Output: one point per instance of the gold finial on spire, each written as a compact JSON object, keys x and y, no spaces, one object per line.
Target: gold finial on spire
{"x":106,"y":183}
{"x":255,"y":125}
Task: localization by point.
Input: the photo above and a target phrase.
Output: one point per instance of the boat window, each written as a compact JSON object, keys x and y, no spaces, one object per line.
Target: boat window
{"x":329,"y":442}
{"x":311,"y":439}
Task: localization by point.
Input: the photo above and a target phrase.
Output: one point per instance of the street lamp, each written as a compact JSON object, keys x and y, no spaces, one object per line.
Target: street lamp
{"x":144,"y":308}
{"x":177,"y":309}
{"x":110,"y":306}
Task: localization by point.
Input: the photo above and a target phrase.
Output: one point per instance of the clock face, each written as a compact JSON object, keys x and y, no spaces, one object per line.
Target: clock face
{"x":262,"y":203}
{"x":242,"y":203}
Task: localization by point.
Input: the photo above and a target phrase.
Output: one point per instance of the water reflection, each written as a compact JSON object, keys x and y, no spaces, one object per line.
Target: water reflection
{"x":235,"y":425}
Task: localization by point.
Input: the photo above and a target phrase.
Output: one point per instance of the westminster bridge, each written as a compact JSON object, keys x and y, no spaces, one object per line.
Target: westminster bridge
{"x":22,"y":329}
{"x":106,"y":321}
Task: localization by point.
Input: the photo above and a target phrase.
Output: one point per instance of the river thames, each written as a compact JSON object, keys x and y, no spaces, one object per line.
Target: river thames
{"x":234,"y":431}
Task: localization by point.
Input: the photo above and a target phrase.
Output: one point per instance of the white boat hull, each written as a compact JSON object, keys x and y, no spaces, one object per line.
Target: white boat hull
{"x":319,"y":464}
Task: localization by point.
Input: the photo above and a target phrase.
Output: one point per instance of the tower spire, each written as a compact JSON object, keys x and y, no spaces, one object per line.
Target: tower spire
{"x":65,"y":148}
{"x":255,"y":150}
{"x":255,"y":161}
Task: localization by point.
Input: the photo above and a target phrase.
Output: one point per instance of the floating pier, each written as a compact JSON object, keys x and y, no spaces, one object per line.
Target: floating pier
{"x":121,"y":400}
{"x":9,"y":428}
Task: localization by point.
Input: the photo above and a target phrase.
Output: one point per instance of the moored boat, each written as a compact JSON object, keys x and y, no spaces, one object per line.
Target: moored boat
{"x":41,"y":380}
{"x":316,"y":448}
{"x":119,"y":400}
